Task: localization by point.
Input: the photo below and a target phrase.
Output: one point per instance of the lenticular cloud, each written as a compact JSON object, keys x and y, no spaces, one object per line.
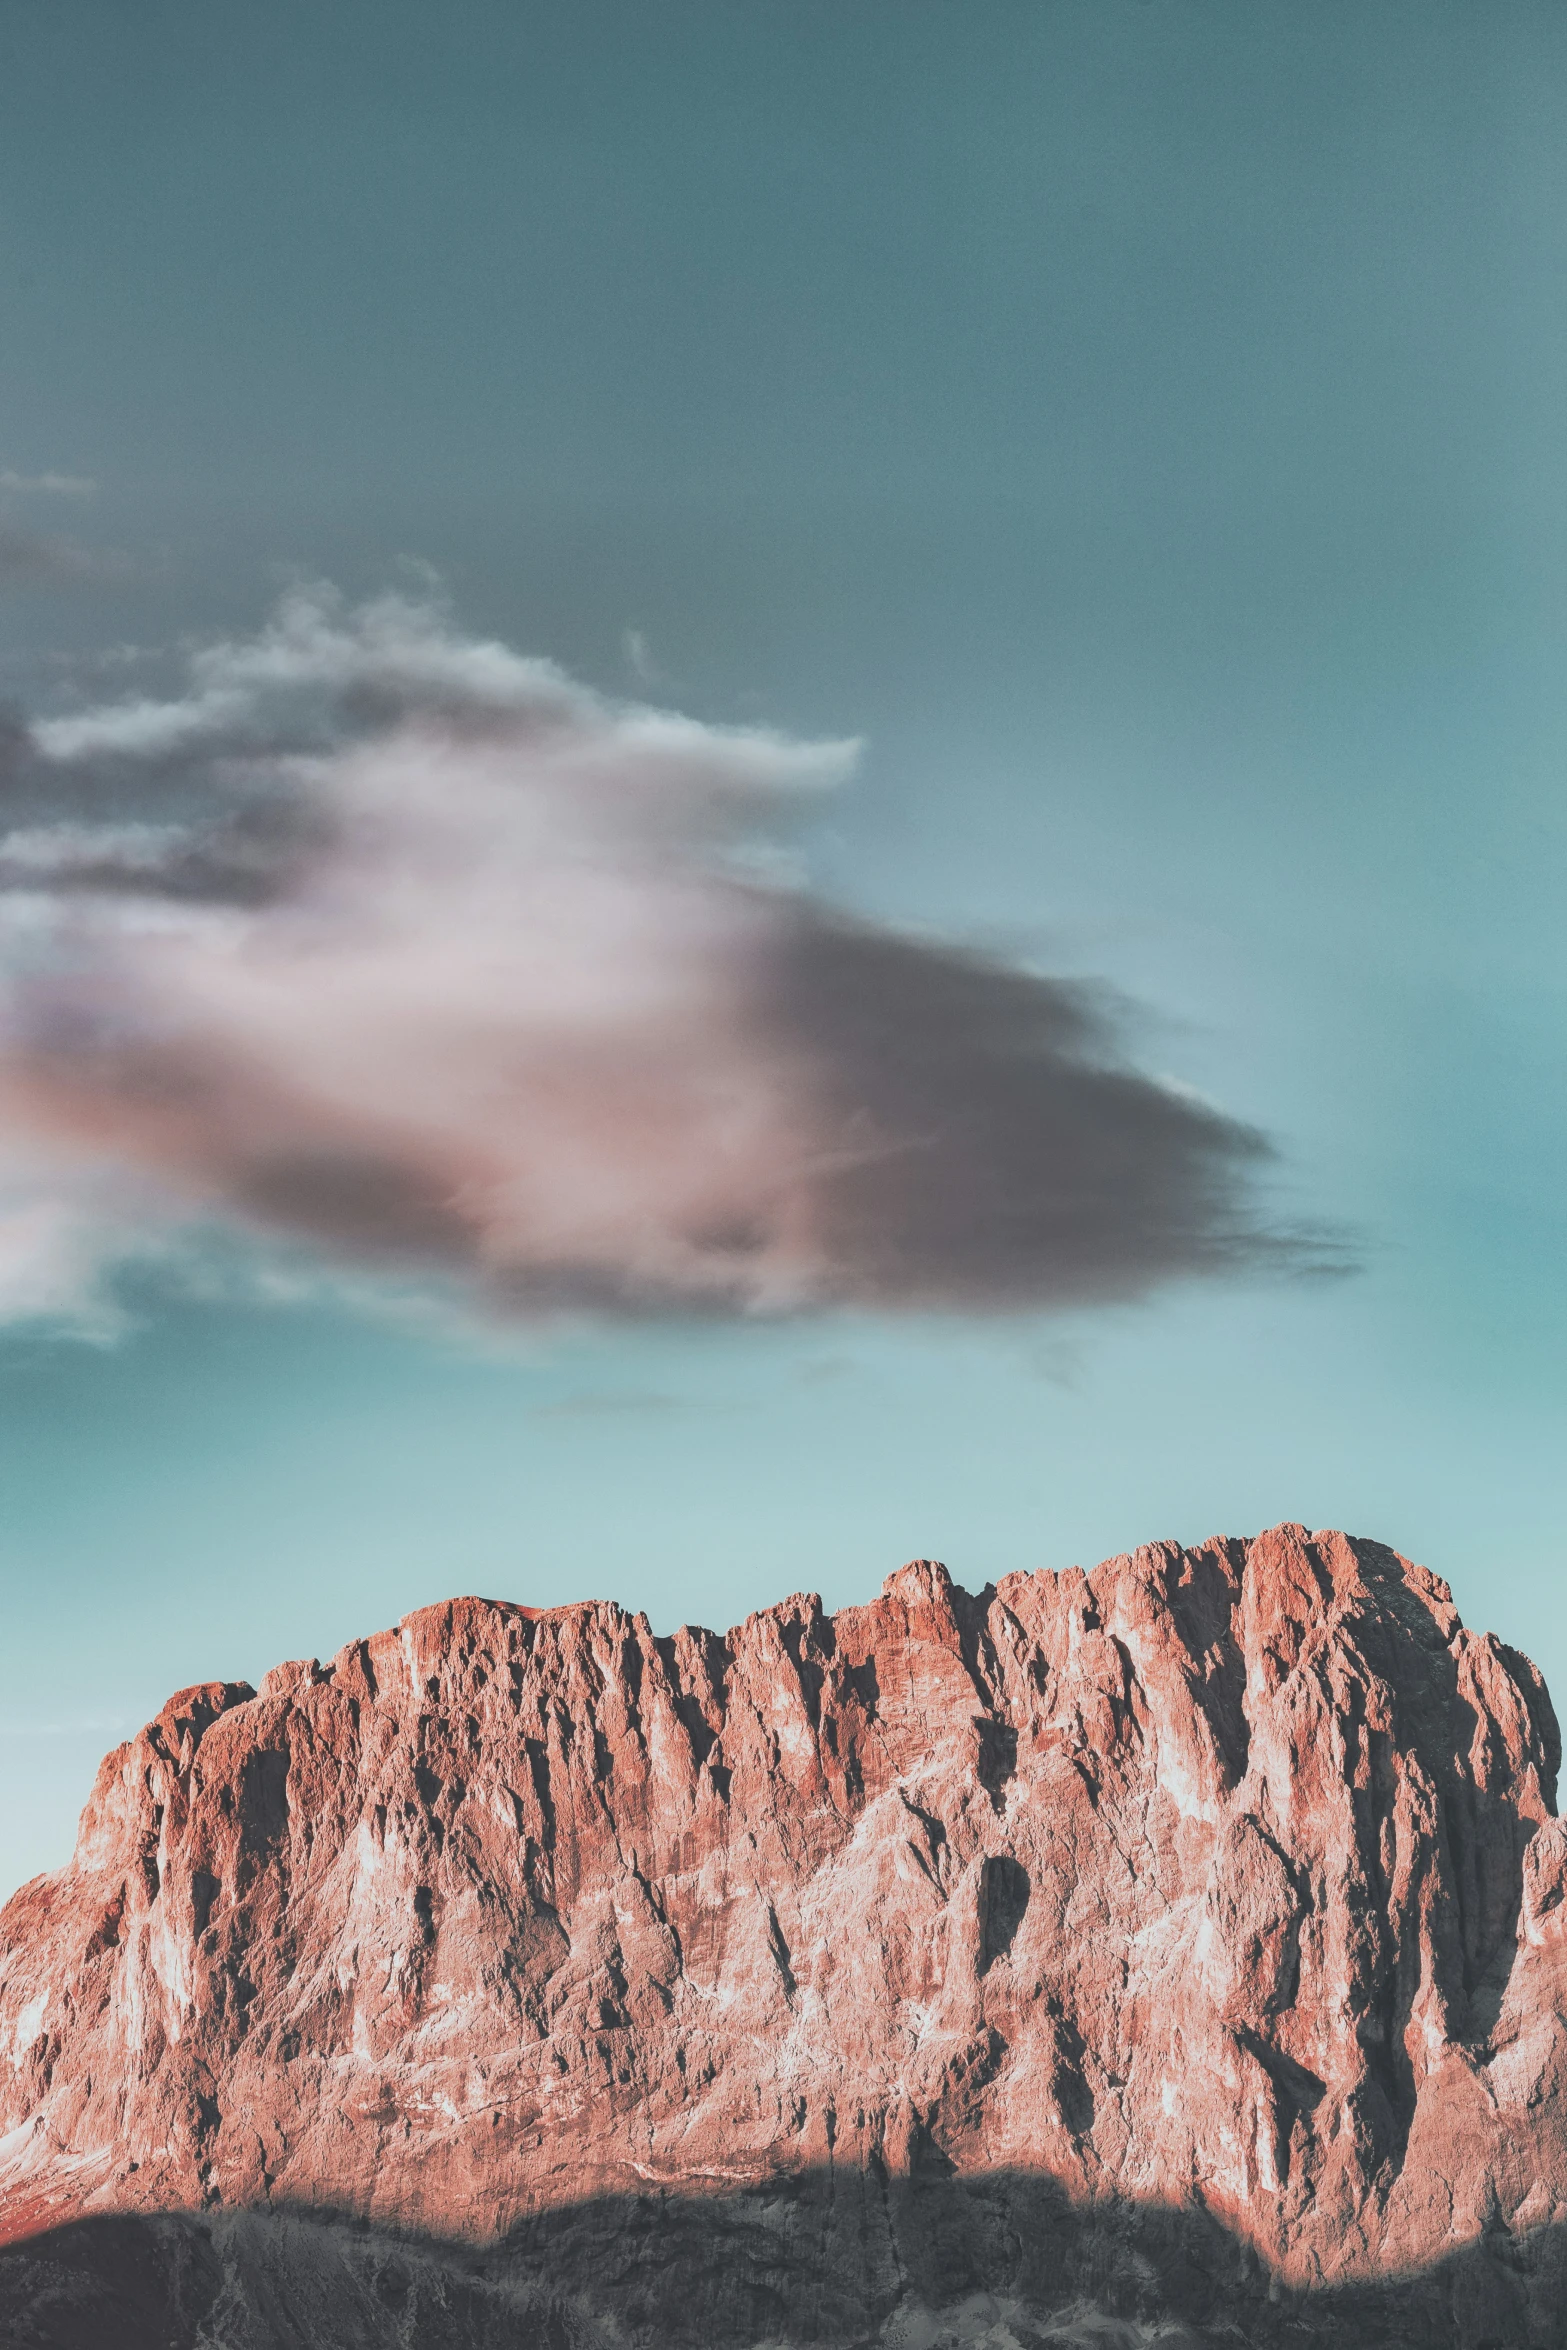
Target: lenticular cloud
{"x":410,"y":949}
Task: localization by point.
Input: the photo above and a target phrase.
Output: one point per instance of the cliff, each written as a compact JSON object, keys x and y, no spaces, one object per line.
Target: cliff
{"x":1181,"y":1944}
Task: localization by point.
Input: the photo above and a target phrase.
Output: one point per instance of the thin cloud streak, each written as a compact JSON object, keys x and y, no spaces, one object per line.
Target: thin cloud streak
{"x":91,"y":1726}
{"x":397,"y":943}
{"x":48,"y":485}
{"x":38,"y":558}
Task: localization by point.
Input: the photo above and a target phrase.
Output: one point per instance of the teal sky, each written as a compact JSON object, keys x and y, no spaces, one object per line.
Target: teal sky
{"x":1140,"y":425}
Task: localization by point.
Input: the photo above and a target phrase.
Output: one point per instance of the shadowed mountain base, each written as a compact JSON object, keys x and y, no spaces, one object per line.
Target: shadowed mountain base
{"x":824,"y":2261}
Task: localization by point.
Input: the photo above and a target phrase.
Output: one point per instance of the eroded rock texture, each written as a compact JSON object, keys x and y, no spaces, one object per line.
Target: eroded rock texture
{"x":1184,"y":1942}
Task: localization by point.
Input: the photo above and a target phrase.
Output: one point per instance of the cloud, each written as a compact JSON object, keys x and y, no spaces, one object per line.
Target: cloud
{"x":63,"y":1232}
{"x":29,"y":557}
{"x":82,"y":1726}
{"x":52,"y":485}
{"x":639,"y":658}
{"x":625,"y":1403}
{"x":402,"y":946}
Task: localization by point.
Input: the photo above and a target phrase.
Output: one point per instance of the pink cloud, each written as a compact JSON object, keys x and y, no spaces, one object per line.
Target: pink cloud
{"x":405,"y":946}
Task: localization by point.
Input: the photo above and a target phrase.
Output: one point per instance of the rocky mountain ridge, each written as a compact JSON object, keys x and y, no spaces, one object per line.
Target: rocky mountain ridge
{"x":1181,"y":1944}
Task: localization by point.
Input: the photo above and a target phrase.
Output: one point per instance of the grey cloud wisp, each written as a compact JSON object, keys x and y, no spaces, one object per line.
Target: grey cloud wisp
{"x":30,"y":556}
{"x":406,"y":947}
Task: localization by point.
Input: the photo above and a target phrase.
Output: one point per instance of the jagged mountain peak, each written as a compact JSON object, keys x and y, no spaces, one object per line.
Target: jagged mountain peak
{"x":1220,"y":1882}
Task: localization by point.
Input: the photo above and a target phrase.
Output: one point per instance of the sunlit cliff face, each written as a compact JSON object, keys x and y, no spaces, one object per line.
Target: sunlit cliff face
{"x":1218,"y":1884}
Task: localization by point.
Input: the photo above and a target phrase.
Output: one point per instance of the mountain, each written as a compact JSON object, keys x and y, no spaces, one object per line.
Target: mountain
{"x":1176,"y":1952}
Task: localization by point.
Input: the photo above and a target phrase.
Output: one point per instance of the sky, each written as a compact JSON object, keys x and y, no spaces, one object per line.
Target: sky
{"x":780,"y":786}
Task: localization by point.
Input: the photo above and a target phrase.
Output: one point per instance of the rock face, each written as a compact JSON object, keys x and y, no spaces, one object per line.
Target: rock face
{"x":1185,"y":1942}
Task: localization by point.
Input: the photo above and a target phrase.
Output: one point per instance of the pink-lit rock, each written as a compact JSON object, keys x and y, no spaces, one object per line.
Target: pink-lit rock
{"x":1221,"y":1881}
